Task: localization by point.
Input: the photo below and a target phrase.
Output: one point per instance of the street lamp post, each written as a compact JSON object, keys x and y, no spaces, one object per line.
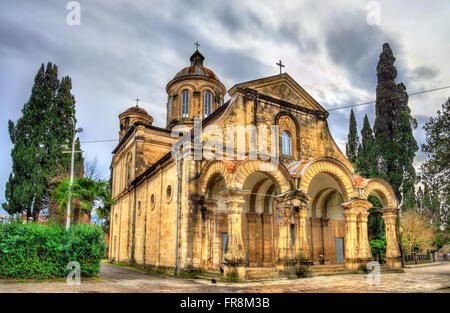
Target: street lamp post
{"x":72,"y":161}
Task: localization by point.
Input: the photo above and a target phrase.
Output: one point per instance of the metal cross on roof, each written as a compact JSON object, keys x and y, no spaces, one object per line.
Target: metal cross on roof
{"x":280,"y":65}
{"x":137,"y":101}
{"x":197,"y":44}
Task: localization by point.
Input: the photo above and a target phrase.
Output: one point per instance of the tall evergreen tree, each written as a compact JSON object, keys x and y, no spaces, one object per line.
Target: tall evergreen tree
{"x":351,"y":147}
{"x":393,"y":126}
{"x":37,"y":158}
{"x":435,"y":171}
{"x":366,"y":162}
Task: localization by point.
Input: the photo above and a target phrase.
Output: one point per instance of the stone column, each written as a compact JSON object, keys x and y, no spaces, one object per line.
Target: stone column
{"x":350,"y":240}
{"x":235,"y":257}
{"x":252,"y":242}
{"x":267,"y":239}
{"x":393,"y":256}
{"x":285,"y":258}
{"x":364,"y":252}
{"x":208,"y":234}
{"x":302,"y":247}
{"x":325,"y":240}
{"x":357,"y":249}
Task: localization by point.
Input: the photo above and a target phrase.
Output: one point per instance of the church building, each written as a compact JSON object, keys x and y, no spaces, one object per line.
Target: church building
{"x":237,"y":216}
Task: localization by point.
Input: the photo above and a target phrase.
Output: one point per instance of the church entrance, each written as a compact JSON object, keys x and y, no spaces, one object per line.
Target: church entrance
{"x":259,"y":229}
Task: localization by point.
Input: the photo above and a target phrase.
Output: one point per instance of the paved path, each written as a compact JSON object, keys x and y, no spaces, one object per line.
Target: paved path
{"x":118,"y":279}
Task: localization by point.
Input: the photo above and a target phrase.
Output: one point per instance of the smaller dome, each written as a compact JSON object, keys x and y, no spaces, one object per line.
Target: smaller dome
{"x":136,"y":109}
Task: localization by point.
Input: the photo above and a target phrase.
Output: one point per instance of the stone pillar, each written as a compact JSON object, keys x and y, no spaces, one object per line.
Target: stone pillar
{"x":267,"y":234}
{"x":235,"y":257}
{"x":393,"y":256}
{"x":252,"y":245}
{"x":301,"y":245}
{"x":364,"y":252}
{"x":285,"y":258}
{"x":325,"y":240}
{"x":208,"y":234}
{"x":350,"y":240}
{"x":357,"y":249}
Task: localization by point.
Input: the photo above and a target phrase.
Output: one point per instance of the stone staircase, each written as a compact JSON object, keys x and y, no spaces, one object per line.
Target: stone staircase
{"x":329,"y":269}
{"x":262,"y":273}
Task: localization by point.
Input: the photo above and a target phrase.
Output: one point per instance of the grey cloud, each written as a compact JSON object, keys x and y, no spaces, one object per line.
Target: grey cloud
{"x":355,"y":46}
{"x":425,"y":72}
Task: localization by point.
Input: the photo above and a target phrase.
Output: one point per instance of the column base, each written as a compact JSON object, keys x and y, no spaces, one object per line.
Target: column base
{"x":353,"y":265}
{"x":234,"y":272}
{"x":286,"y":267}
{"x":394,"y":263}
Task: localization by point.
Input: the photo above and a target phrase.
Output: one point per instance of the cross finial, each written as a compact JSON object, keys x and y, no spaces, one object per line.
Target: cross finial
{"x":137,"y":101}
{"x":197,"y":44}
{"x":280,"y":65}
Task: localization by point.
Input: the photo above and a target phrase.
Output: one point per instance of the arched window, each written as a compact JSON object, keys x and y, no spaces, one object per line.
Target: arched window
{"x":185,"y":104}
{"x":207,"y":99}
{"x":169,"y":109}
{"x":286,"y":143}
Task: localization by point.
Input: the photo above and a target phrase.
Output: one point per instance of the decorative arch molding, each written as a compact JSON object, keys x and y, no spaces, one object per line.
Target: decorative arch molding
{"x":182,"y":86}
{"x":211,"y":169}
{"x":382,"y":190}
{"x":280,"y":175}
{"x":297,"y":127}
{"x":333,"y":167}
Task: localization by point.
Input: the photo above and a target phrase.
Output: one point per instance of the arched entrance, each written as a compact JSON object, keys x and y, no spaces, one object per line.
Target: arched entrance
{"x":326,"y":220}
{"x":259,"y":231}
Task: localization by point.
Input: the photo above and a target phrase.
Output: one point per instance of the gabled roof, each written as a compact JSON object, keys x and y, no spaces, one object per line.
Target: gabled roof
{"x":283,"y":87}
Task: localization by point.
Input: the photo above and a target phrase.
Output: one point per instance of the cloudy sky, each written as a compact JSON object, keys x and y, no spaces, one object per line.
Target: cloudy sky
{"x":128,"y":49}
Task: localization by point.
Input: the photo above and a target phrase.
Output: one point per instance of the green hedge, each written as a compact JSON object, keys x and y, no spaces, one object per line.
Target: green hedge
{"x":34,"y":251}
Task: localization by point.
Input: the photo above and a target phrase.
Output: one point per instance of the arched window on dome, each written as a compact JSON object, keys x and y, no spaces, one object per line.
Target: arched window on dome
{"x":185,"y":103}
{"x":207,"y":99}
{"x":286,"y":143}
{"x":169,"y":109}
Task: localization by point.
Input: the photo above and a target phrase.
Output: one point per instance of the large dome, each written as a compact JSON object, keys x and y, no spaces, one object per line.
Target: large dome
{"x":197,"y":68}
{"x":197,"y":71}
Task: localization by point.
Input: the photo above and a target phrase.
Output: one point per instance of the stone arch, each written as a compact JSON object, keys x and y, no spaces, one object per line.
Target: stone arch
{"x":382,"y":190}
{"x":297,"y":127}
{"x":280,"y":175}
{"x":212,"y":168}
{"x":334,"y":168}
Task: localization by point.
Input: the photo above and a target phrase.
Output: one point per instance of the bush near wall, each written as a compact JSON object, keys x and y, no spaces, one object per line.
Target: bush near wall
{"x":33,"y":251}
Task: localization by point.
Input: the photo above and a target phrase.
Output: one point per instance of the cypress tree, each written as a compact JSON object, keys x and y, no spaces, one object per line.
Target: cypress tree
{"x":351,"y":147}
{"x":366,"y":161}
{"x":37,"y":159}
{"x":395,"y":143}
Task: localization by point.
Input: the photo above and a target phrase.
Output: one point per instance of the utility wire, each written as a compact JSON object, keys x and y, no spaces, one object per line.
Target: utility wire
{"x":370,"y":102}
{"x":330,"y":109}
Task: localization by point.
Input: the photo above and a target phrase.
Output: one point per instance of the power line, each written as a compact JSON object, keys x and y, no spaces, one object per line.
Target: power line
{"x":370,"y":102}
{"x":93,"y":141}
{"x":330,"y":109}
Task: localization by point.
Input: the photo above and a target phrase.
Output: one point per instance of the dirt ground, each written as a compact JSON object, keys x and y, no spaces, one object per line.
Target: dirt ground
{"x":116,"y":279}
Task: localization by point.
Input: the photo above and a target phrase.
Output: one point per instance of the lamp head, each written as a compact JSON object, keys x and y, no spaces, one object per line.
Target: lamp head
{"x":79,"y":130}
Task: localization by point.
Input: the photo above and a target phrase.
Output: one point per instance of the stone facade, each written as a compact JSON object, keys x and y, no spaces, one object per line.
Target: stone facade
{"x":240,"y":216}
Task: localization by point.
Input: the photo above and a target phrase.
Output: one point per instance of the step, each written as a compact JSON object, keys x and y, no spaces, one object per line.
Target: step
{"x":257,"y":273}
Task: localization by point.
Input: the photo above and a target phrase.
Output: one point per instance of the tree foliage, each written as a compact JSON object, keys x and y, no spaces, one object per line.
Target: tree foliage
{"x":435,"y":172}
{"x":416,"y":232}
{"x":37,"y":136}
{"x":351,"y":147}
{"x":366,"y":162}
{"x":87,"y":193}
{"x":393,"y":126}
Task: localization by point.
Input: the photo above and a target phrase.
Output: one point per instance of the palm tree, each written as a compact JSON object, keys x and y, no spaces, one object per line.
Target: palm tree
{"x":87,"y":194}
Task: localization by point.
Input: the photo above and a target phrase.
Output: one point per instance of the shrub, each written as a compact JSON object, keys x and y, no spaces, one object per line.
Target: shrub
{"x":33,"y":251}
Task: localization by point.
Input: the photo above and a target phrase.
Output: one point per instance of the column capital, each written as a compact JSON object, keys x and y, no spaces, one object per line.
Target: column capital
{"x":297,"y":198}
{"x":210,"y":204}
{"x":357,"y":205}
{"x":234,"y":199}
